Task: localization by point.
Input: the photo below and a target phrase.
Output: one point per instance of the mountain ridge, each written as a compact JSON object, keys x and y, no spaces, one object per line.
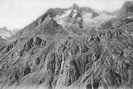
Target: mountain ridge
{"x":72,"y":48}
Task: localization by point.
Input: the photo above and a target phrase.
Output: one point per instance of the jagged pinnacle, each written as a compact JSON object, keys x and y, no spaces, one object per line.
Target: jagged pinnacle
{"x":75,"y":6}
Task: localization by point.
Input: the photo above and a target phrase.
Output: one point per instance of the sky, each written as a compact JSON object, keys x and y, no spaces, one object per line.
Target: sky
{"x":19,"y":13}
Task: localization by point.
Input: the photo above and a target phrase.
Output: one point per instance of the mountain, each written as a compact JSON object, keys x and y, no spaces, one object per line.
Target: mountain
{"x":126,"y":10}
{"x":83,"y":16}
{"x":72,"y":48}
{"x":5,"y":33}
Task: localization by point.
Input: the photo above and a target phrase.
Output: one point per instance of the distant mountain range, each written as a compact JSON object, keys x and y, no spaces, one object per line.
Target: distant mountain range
{"x":6,"y":33}
{"x":70,"y":48}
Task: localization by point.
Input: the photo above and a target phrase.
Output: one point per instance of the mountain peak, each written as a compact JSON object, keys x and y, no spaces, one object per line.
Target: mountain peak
{"x":73,"y":48}
{"x":126,"y":10}
{"x":75,"y":6}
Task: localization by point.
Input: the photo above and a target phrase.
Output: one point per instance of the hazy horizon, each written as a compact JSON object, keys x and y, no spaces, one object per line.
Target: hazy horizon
{"x":19,"y":13}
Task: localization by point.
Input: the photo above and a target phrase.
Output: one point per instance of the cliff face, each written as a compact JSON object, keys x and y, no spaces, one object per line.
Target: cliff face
{"x":60,"y":51}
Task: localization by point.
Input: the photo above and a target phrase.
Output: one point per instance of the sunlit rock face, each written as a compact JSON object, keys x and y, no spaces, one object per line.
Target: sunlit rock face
{"x":82,"y":16}
{"x":72,"y":48}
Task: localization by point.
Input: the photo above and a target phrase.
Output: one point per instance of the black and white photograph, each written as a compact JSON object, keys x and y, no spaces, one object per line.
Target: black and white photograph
{"x":66,"y":44}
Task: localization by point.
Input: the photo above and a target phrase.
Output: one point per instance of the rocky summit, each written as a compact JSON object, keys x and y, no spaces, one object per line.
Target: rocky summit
{"x":71,"y":48}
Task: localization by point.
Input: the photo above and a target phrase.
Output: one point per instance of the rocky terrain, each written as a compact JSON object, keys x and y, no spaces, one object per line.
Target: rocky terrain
{"x":71,"y":48}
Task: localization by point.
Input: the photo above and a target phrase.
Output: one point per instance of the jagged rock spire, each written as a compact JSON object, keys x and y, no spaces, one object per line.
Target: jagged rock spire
{"x":75,"y":10}
{"x":75,"y":6}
